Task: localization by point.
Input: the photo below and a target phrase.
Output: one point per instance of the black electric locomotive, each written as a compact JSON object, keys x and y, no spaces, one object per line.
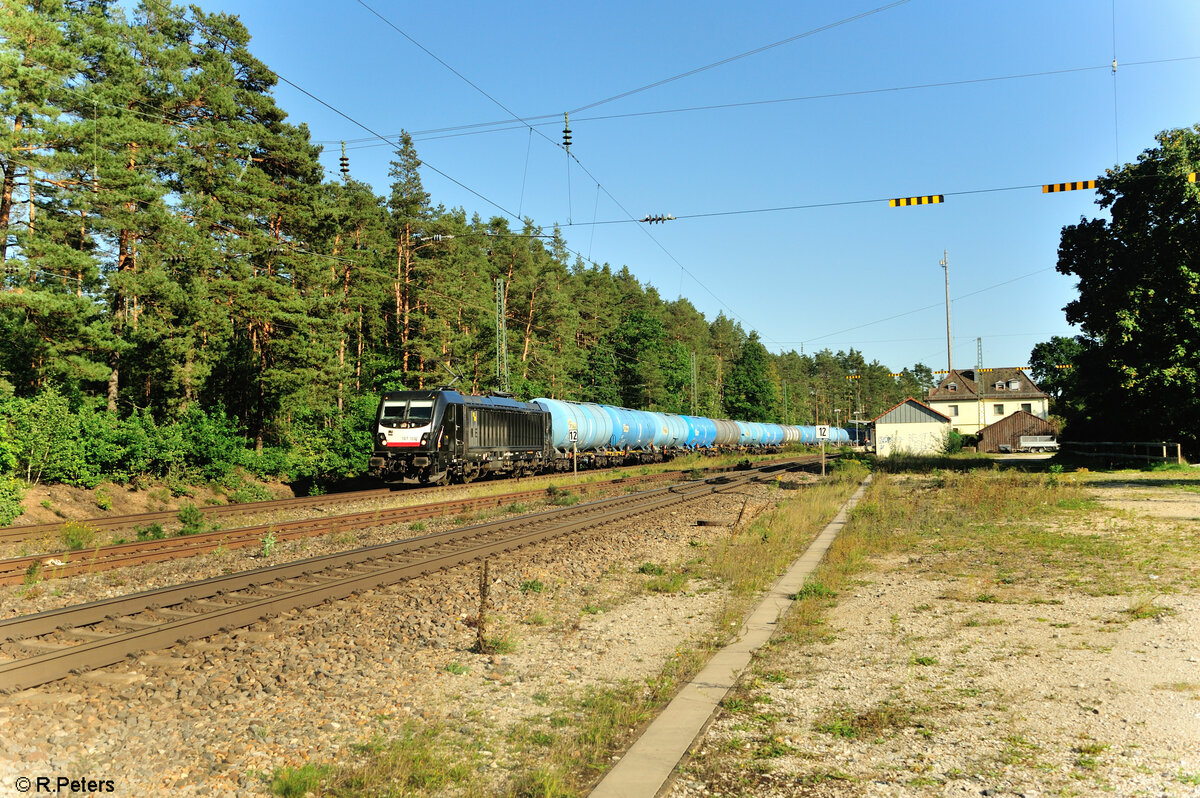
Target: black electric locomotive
{"x":432,"y":437}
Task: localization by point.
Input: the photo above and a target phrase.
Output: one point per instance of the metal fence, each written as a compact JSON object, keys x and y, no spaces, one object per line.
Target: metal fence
{"x":1150,"y":451}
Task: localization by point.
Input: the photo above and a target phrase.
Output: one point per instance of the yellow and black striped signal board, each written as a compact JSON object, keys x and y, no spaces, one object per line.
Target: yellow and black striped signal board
{"x":903,"y":202}
{"x":1078,"y":185}
{"x":978,"y":371}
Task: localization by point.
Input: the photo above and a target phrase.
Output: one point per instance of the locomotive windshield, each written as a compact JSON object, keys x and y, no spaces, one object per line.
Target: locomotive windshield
{"x":399,"y":413}
{"x":420,"y":410}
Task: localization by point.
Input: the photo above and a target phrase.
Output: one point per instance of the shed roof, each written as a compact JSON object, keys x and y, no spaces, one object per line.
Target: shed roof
{"x":910,"y":411}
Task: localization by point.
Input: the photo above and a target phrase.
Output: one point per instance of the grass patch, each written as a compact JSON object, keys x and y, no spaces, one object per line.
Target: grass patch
{"x":1142,"y":607}
{"x":671,"y":583}
{"x":291,"y":782}
{"x":414,"y":759}
{"x":560,"y":497}
{"x":77,"y":535}
{"x":886,"y":718}
{"x":750,"y":560}
{"x":533,"y":586}
{"x":814,"y":589}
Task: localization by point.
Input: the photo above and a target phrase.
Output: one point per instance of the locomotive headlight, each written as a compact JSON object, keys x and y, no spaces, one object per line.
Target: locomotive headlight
{"x":425,"y":439}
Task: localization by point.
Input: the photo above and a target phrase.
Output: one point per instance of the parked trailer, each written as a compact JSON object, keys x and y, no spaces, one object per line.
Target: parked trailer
{"x":1038,"y":443}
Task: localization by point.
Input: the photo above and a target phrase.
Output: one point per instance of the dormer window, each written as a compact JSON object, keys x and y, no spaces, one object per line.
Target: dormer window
{"x":1014,"y":385}
{"x":952,"y":386}
{"x":999,"y":386}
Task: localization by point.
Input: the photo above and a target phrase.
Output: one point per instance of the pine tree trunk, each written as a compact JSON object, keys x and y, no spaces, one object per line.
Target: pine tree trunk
{"x":113,"y":382}
{"x":528,"y":336}
{"x":10,"y":181}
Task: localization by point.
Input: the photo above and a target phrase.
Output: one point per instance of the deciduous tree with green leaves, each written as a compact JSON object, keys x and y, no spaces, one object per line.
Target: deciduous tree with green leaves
{"x":1138,"y":374}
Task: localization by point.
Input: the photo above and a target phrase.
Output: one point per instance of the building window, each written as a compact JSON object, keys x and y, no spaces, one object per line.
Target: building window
{"x":999,"y":386}
{"x":952,"y":386}
{"x":1014,"y":385}
{"x":954,"y":410}
{"x":998,"y":409}
{"x":1027,"y":407}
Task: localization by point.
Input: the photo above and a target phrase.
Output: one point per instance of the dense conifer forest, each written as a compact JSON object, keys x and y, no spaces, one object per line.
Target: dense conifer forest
{"x":185,"y":293}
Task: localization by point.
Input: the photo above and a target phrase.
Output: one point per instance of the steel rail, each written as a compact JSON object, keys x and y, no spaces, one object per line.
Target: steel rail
{"x":479,"y":541}
{"x":63,"y":564}
{"x":27,"y":532}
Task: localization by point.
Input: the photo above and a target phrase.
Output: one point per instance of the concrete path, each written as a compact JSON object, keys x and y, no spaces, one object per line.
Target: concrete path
{"x":648,"y":765}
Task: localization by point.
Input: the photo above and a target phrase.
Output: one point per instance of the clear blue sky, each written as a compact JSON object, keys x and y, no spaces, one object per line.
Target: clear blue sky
{"x":818,"y":276}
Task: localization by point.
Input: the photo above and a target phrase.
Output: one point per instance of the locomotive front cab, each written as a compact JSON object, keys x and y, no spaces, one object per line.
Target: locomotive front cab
{"x":408,"y":435}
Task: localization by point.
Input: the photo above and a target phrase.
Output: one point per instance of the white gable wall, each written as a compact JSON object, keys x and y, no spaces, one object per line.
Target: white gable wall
{"x":910,"y":438}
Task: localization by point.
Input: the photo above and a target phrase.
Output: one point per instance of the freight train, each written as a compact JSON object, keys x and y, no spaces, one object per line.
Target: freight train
{"x":431,"y":437}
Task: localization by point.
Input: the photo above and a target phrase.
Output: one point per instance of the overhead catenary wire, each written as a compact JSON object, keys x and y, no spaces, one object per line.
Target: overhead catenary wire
{"x":740,"y":56}
{"x":565,"y":146}
{"x":543,"y":120}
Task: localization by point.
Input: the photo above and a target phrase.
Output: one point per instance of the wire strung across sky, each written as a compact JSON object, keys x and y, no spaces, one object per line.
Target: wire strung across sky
{"x":572,"y":157}
{"x":545,"y":120}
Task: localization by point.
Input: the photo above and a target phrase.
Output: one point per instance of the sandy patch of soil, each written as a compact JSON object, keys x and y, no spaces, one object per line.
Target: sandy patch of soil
{"x":949,"y":684}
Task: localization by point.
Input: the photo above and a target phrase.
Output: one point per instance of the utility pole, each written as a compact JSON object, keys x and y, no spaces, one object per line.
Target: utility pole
{"x":693,"y":383}
{"x":785,"y":413}
{"x":979,"y":380}
{"x":501,"y":337}
{"x":945,"y":262}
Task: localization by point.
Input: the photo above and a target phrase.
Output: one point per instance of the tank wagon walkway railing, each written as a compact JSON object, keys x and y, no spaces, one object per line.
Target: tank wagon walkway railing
{"x":1116,"y":451}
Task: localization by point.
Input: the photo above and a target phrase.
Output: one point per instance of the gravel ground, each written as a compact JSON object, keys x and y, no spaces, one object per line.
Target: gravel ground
{"x":1006,"y":698}
{"x":212,"y":717}
{"x":1034,"y":692}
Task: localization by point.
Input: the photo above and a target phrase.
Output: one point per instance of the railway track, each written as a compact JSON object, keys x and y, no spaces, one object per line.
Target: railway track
{"x":34,"y":532}
{"x":35,"y":649}
{"x":62,"y":564}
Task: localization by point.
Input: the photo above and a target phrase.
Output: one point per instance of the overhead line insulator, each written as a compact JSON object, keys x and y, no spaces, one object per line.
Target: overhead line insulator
{"x":566,"y":132}
{"x":659,"y":219}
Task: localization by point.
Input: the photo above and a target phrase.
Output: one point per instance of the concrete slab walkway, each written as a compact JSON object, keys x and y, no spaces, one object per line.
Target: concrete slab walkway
{"x":647,"y":767}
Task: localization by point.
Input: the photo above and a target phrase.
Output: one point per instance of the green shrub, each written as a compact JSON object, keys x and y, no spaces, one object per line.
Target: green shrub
{"x":192,"y":520}
{"x":250,"y":492}
{"x":532,"y":586}
{"x":150,"y":532}
{"x":560,"y":497}
{"x":12,"y":491}
{"x":103,"y":500}
{"x":77,"y":536}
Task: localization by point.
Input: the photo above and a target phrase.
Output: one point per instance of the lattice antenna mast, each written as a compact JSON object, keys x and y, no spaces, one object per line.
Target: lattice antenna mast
{"x":945,"y":264}
{"x":979,"y":377}
{"x":693,"y":383}
{"x":501,"y":337}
